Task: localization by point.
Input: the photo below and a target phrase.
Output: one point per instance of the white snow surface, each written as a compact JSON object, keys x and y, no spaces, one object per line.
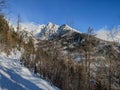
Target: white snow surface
{"x":14,"y":76}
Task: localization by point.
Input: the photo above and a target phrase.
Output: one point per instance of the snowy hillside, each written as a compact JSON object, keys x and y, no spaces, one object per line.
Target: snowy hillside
{"x":14,"y":76}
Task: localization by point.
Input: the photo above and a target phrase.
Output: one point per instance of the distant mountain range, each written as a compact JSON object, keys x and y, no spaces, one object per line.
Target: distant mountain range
{"x":50,"y":31}
{"x":45,"y":32}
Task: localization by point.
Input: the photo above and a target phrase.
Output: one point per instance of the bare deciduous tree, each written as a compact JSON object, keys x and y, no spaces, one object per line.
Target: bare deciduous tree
{"x":18,"y":23}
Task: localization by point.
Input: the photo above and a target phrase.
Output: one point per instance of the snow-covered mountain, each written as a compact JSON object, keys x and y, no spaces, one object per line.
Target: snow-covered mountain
{"x":14,"y":76}
{"x":49,"y":31}
{"x":45,"y":32}
{"x":109,"y":35}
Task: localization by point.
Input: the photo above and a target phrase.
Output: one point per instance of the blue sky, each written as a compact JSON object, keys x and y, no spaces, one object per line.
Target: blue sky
{"x":80,"y":14}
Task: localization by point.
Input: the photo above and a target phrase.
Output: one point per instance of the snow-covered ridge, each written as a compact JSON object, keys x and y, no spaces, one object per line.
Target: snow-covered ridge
{"x":45,"y":32}
{"x":14,"y":76}
{"x":109,"y":35}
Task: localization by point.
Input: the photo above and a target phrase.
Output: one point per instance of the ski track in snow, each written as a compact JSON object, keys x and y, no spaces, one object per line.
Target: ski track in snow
{"x":14,"y":76}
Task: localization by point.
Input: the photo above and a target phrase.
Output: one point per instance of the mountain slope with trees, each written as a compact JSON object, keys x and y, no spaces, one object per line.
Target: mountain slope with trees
{"x":66,"y":58}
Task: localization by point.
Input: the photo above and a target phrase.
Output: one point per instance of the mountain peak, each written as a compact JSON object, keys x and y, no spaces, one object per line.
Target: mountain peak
{"x":47,"y":31}
{"x":65,"y":26}
{"x":50,"y":24}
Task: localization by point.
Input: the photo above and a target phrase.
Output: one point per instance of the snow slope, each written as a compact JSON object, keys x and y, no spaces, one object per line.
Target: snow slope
{"x":14,"y":76}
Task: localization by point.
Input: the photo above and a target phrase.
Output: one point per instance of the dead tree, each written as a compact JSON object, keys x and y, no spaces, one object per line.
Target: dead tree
{"x":18,"y":23}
